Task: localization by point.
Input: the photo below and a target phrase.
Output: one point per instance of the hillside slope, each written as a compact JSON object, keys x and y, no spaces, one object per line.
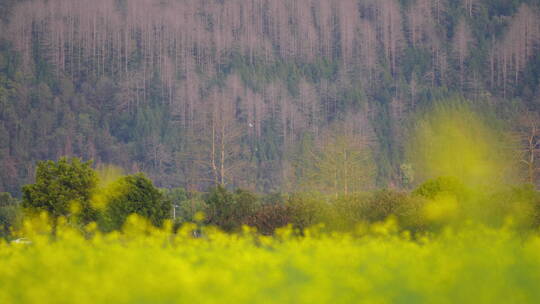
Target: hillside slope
{"x":243,"y":92}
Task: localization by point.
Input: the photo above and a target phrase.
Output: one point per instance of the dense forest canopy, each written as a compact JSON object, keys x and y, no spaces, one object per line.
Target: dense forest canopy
{"x":262,"y":94}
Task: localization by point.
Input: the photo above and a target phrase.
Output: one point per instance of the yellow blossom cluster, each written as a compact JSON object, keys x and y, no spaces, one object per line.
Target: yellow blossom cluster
{"x":195,"y":264}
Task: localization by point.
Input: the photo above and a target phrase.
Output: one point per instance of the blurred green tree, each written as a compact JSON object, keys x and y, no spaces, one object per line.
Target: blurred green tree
{"x":136,"y":195}
{"x":9,"y":213}
{"x":228,"y":210}
{"x":62,"y":188}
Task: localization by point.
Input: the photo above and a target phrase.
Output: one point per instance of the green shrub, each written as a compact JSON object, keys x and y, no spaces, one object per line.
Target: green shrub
{"x":378,"y":206}
{"x":136,"y":195}
{"x":229,"y":210}
{"x":431,"y":188}
{"x":520,"y":204}
{"x":383,"y":204}
{"x":269,"y":217}
{"x":308,"y":209}
{"x":350,"y":211}
{"x":9,"y":213}
{"x":185,"y":204}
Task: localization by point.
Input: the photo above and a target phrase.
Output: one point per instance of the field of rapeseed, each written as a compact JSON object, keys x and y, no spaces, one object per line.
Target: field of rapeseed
{"x":373,"y":265}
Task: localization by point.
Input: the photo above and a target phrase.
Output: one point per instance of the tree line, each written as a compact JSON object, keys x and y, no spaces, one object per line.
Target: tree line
{"x":72,"y":190}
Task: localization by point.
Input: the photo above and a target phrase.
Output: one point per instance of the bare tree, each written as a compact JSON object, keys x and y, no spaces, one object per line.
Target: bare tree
{"x":461,"y":41}
{"x":307,"y":34}
{"x":348,"y":23}
{"x":529,"y":136}
{"x":510,"y":55}
{"x":340,"y":161}
{"x":390,"y":31}
{"x":368,"y":49}
{"x":324,"y":20}
{"x":221,"y":139}
{"x":470,"y":6}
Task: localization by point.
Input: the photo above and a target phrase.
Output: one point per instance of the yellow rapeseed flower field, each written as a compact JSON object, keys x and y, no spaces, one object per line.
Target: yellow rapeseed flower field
{"x":374,"y":265}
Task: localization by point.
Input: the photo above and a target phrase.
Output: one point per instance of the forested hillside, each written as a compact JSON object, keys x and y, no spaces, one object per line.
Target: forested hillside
{"x":261,"y":94}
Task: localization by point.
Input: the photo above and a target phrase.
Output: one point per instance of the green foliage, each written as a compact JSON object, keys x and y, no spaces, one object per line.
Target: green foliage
{"x":6,"y":200}
{"x":229,"y":210}
{"x":519,"y":205}
{"x":245,"y":202}
{"x":69,"y":188}
{"x":135,"y":194}
{"x":308,"y":209}
{"x":348,"y":212}
{"x":186,"y":205}
{"x":384,"y":203}
{"x":9,"y":213}
{"x":221,"y":208}
{"x":62,"y":188}
{"x":377,"y":207}
{"x":433,"y":187}
{"x":448,"y":201}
